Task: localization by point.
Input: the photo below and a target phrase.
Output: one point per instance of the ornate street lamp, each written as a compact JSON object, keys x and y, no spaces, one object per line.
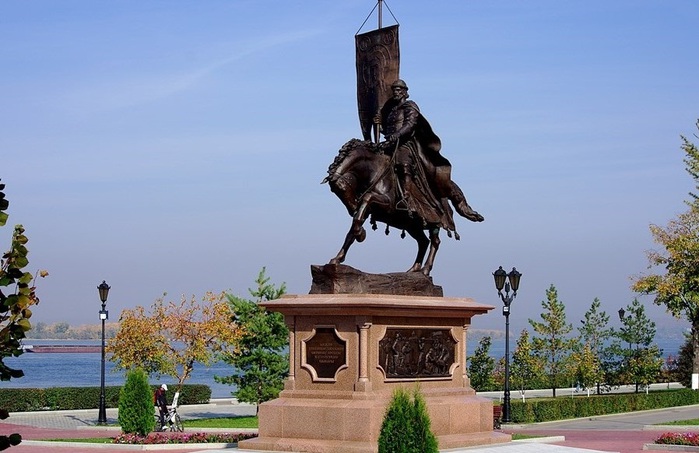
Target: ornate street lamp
{"x":103,"y":289}
{"x":507,"y":281}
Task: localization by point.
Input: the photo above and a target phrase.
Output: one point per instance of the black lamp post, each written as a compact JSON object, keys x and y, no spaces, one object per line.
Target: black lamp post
{"x":500,"y":282}
{"x":103,"y":289}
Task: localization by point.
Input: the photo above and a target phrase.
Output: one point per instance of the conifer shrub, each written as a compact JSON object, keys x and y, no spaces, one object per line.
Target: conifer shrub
{"x":136,"y":411}
{"x":406,"y":425}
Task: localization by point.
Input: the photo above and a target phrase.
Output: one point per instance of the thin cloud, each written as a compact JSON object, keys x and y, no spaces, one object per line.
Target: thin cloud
{"x":139,"y":89}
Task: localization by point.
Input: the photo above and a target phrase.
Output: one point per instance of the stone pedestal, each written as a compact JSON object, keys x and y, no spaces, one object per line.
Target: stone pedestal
{"x":348,"y":352}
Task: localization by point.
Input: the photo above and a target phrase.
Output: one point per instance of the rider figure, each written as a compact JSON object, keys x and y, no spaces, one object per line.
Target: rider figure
{"x":414,"y":145}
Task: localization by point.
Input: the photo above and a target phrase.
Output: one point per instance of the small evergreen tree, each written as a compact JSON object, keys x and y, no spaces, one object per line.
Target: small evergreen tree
{"x":406,"y":425}
{"x":424,"y":438}
{"x":259,"y":360}
{"x":527,"y":370}
{"x":595,"y":334}
{"x":481,"y":367}
{"x":136,"y":404}
{"x":685,"y":363}
{"x":553,"y":344}
{"x":641,"y":361}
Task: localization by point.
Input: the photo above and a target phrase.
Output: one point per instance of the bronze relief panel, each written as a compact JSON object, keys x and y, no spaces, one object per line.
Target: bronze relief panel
{"x":406,"y":353}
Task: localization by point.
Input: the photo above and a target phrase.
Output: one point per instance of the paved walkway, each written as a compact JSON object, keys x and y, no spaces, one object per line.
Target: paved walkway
{"x":622,"y":433}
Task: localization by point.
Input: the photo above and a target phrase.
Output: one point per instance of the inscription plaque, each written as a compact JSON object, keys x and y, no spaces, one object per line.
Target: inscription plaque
{"x":326,"y":353}
{"x":416,"y":353}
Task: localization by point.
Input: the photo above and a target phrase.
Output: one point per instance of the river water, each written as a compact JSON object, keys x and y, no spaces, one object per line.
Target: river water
{"x":42,"y":370}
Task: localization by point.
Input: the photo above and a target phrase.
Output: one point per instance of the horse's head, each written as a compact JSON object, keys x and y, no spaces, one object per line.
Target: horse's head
{"x":354,"y":170}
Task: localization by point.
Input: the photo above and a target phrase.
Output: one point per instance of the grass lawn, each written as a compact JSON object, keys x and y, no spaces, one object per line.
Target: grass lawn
{"x":518,"y":436}
{"x":694,"y":421}
{"x":89,"y":440}
{"x":223,"y":422}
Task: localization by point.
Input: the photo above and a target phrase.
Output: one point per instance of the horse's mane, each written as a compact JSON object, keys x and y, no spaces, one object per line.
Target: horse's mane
{"x":347,"y":148}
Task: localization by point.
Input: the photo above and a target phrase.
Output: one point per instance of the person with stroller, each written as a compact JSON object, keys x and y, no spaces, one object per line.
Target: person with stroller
{"x":161,"y":403}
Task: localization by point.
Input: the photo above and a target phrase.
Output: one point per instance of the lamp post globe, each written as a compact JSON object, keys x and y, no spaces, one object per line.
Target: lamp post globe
{"x":103,"y":290}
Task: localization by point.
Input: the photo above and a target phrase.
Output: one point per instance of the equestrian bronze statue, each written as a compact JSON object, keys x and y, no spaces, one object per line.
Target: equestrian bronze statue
{"x":403,"y":182}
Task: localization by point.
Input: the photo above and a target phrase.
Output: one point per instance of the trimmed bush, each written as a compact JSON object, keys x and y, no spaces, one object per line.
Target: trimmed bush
{"x":136,"y":404}
{"x":70,"y":398}
{"x":190,"y":394}
{"x":406,"y":426}
{"x":547,"y":409}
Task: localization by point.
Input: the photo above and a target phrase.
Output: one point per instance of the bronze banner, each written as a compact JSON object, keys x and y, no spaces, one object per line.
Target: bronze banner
{"x":378,"y":64}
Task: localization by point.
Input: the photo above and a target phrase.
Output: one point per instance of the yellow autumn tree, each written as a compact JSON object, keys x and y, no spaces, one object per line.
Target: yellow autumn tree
{"x":171,"y":337}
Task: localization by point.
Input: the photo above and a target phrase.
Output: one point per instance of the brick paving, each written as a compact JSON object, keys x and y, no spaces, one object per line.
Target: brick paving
{"x":622,"y":433}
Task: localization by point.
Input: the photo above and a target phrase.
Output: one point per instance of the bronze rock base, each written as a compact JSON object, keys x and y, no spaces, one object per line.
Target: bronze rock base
{"x":342,"y":279}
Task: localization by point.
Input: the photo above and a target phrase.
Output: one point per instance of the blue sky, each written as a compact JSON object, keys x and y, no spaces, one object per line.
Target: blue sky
{"x":178,"y":146}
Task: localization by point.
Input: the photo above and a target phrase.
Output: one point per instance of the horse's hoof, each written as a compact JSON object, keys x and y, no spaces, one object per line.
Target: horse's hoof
{"x":417,"y":267}
{"x":336,"y":260}
{"x":473,"y":216}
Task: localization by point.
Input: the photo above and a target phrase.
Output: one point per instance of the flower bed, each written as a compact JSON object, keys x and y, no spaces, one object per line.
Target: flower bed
{"x":183,"y":438}
{"x":691,"y":439}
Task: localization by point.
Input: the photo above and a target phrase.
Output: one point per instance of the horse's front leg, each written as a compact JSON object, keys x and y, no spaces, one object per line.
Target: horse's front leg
{"x":434,"y":246}
{"x":356,"y":232}
{"x":422,"y":242}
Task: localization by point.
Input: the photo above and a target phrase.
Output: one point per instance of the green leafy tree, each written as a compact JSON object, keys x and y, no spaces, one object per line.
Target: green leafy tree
{"x":406,"y":425}
{"x":260,"y":362}
{"x":17,"y":296}
{"x":595,"y":333}
{"x":136,"y":404}
{"x":174,"y":336}
{"x":677,"y":286}
{"x":526,"y":371}
{"x":641,"y":360}
{"x":552,"y":343}
{"x":586,"y":367}
{"x":646,"y":366}
{"x":481,"y":367}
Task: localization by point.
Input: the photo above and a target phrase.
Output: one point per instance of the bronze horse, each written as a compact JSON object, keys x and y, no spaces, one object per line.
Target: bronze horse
{"x":362,"y":177}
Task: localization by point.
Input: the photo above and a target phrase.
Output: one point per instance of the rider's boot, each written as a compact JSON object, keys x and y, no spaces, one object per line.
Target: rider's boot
{"x":404,"y":202}
{"x":461,"y":205}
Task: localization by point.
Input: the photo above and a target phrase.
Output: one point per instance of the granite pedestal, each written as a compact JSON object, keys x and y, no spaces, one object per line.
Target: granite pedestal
{"x":349,"y":352}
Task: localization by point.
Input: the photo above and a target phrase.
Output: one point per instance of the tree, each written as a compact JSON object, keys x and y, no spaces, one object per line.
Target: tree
{"x":586,"y":367}
{"x":678,"y":287}
{"x":260,"y":362}
{"x":552,"y":344}
{"x":526,"y":369}
{"x":684,"y":363}
{"x":15,"y":304}
{"x":641,"y":360}
{"x":406,"y":425}
{"x":136,"y":404}
{"x":481,"y":367}
{"x":174,"y":336}
{"x":595,"y":334}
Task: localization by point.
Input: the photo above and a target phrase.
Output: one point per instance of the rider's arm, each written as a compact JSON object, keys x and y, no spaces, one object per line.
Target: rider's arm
{"x":410,"y":116}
